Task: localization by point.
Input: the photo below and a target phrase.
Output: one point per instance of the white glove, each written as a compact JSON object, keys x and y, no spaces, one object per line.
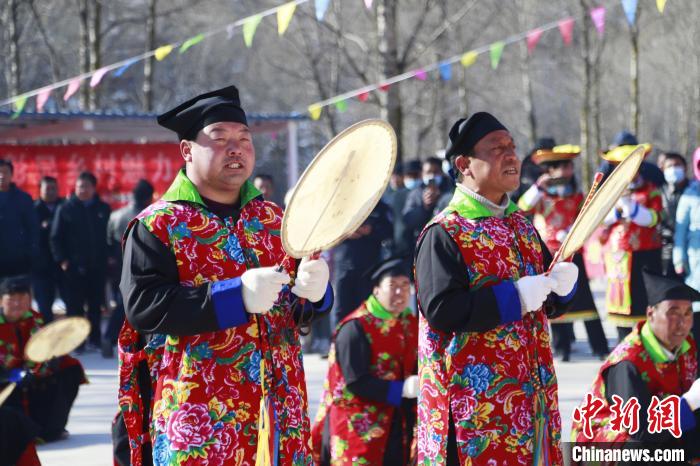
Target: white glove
{"x":261,"y":288}
{"x":626,"y":204}
{"x":533,"y":291}
{"x":565,"y":274}
{"x":312,"y":279}
{"x":410,"y":387}
{"x":692,"y":396}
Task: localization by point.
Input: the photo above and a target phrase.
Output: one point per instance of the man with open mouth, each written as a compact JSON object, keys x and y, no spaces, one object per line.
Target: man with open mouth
{"x":488,"y":392}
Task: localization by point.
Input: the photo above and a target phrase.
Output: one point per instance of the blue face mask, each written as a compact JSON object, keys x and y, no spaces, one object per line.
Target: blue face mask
{"x":674,"y":175}
{"x":435,"y":179}
{"x":410,"y":183}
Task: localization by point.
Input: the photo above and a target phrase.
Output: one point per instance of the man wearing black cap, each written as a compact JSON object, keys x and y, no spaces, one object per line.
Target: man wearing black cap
{"x":206,"y":275}
{"x":367,"y":407}
{"x":488,"y":388}
{"x":657,"y":359}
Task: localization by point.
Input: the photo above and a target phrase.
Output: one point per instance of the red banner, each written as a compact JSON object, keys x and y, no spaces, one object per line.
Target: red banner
{"x":117,"y":167}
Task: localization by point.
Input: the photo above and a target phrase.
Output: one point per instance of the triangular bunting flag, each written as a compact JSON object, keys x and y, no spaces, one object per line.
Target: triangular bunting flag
{"x":249,"y":27}
{"x":284,"y":16}
{"x":124,"y":67}
{"x":315,"y":112}
{"x":97,"y":77}
{"x":341,"y":106}
{"x":190,"y":42}
{"x":384,"y":87}
{"x":598,"y":18}
{"x":41,"y":99}
{"x":468,"y":59}
{"x":630,"y":7}
{"x":533,"y":37}
{"x":660,"y":5}
{"x":321,"y":7}
{"x":19,"y":106}
{"x":368,"y":4}
{"x":164,"y":51}
{"x":421,"y":75}
{"x":363,"y":96}
{"x":566,"y":28}
{"x":446,"y":71}
{"x":73,"y":87}
{"x":496,"y":51}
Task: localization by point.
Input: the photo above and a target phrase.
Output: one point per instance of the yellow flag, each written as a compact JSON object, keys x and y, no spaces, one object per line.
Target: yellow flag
{"x":661,"y":4}
{"x":315,"y":111}
{"x":164,"y":51}
{"x":284,"y":16}
{"x":468,"y":59}
{"x":249,"y":27}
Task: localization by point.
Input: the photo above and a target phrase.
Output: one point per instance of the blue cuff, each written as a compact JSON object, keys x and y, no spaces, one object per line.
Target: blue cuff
{"x":393,"y":396}
{"x":566,"y":299}
{"x":508,"y":302}
{"x":635,"y":211}
{"x":227,"y":296}
{"x":687,"y":417}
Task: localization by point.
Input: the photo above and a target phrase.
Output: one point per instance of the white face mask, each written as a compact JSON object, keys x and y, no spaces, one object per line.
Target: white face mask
{"x":674,"y":175}
{"x":410,"y":183}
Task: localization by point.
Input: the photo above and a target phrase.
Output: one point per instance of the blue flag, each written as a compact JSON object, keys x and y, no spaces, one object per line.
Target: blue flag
{"x":630,"y":7}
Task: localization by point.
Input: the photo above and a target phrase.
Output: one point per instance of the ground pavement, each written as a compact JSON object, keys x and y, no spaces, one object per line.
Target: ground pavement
{"x":90,"y":420}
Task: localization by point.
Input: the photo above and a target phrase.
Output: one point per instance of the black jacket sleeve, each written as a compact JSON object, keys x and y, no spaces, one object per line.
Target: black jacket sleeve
{"x":56,"y":235}
{"x":154,"y":300}
{"x":353,"y":354}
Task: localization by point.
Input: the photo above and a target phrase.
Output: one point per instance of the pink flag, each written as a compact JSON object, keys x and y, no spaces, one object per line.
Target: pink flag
{"x":73,"y":87}
{"x":41,"y":99}
{"x":97,"y":77}
{"x":363,"y":96}
{"x":532,"y":38}
{"x":598,"y":18}
{"x":566,"y":27}
{"x":421,"y":75}
{"x":384,"y":87}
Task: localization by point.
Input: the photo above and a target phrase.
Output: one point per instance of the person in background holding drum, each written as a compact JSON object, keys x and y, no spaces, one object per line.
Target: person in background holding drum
{"x":202,"y":278}
{"x":555,"y":201}
{"x":371,"y":378}
{"x":46,"y":391}
{"x":488,"y":391}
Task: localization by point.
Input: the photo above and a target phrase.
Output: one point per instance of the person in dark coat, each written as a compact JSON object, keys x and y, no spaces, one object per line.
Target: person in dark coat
{"x":19,"y":234}
{"x":79,"y":244}
{"x":648,"y":171}
{"x":47,"y":276}
{"x":423,"y":200}
{"x":141,"y":197}
{"x":675,"y":173}
{"x":353,"y":257}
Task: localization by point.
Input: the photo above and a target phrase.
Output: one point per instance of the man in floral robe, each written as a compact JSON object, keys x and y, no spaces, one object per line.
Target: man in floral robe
{"x":488,"y":392}
{"x":206,"y":278}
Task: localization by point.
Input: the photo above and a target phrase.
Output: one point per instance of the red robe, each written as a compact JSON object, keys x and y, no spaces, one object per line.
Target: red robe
{"x":359,"y":428}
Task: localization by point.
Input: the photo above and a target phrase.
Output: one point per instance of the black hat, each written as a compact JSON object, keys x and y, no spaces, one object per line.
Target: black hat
{"x":412,"y":166}
{"x":544,"y":144}
{"x":660,"y":288}
{"x":188,"y":118}
{"x":391,"y":267}
{"x":398,"y":169}
{"x":466,"y":133}
{"x":624,"y":138}
{"x":16,"y":284}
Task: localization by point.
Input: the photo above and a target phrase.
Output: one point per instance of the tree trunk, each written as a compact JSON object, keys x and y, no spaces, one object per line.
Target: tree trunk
{"x":95,"y":53}
{"x":585,"y":116}
{"x":634,"y":76}
{"x":528,"y":105}
{"x":390,"y":101}
{"x":148,"y":62}
{"x":13,"y":71}
{"x":84,"y":50}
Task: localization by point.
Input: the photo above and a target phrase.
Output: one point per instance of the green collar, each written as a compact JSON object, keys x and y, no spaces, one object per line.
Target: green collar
{"x":654,"y":348}
{"x":182,"y":189}
{"x":25,"y":316}
{"x":469,"y":208}
{"x":377,"y":310}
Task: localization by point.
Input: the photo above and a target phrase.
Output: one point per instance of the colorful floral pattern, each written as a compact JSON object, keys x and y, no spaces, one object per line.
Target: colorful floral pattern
{"x":554,"y":214}
{"x":359,"y":428}
{"x":490,"y":382}
{"x":663,"y":378}
{"x":207,"y":387}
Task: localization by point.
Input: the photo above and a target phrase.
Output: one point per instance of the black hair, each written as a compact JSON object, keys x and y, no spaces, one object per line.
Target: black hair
{"x":7,"y":163}
{"x":89,"y":177}
{"x":676,"y":156}
{"x":48,"y":179}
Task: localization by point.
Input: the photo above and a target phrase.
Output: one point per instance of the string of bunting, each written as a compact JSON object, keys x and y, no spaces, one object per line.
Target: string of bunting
{"x":467,"y":59}
{"x":285,"y":13}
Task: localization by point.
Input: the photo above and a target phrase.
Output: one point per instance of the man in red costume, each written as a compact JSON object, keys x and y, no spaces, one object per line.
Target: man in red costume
{"x":367,"y":410}
{"x":206,"y":279}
